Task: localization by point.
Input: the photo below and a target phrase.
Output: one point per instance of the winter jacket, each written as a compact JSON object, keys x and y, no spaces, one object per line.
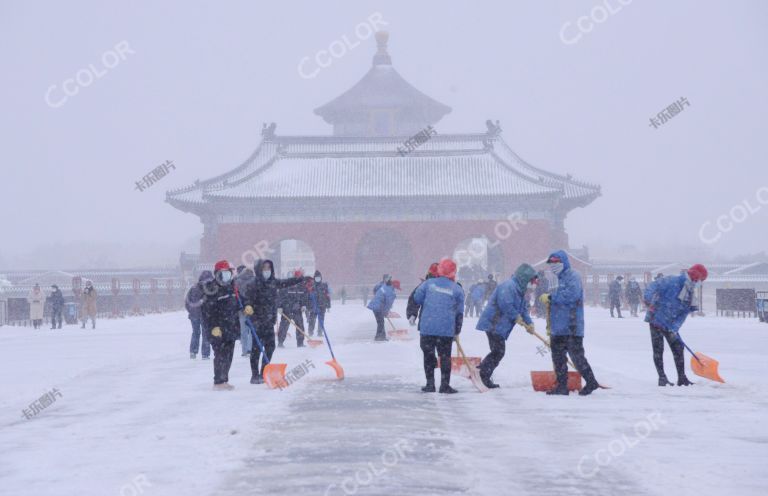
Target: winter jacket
{"x":220,"y":309}
{"x":195,"y":296}
{"x":36,"y":299}
{"x":490,"y":287}
{"x":666,"y":309}
{"x":614,"y":290}
{"x":567,"y":301}
{"x":89,"y":301}
{"x":295,"y":296}
{"x":321,"y":292}
{"x":57,"y":299}
{"x":506,"y":304}
{"x":243,"y":281}
{"x":262,"y":295}
{"x":442,"y":307}
{"x":383,"y":300}
{"x":634,"y":292}
{"x":477,"y":293}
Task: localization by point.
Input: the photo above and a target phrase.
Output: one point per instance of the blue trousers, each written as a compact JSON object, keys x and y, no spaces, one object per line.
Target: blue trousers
{"x":194,"y":344}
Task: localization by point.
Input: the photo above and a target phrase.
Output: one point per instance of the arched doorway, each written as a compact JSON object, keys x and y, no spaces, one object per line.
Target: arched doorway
{"x":476,"y":258}
{"x":291,"y":254}
{"x":383,"y":251}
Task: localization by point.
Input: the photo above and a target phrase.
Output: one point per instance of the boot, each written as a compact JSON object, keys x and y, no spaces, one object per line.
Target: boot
{"x":430,"y":387}
{"x":83,"y":326}
{"x":280,"y":345}
{"x":257,"y":379}
{"x":223,"y":387}
{"x":381,"y":338}
{"x":683,"y":381}
{"x":589,"y":388}
{"x":663,"y":381}
{"x":488,"y":382}
{"x":447,"y":389}
{"x":558,"y":391}
{"x":192,"y":356}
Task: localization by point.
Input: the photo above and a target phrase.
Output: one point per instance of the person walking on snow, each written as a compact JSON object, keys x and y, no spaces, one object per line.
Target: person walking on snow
{"x":506,"y":307}
{"x":57,"y":306}
{"x":88,"y":306}
{"x":634,"y":294}
{"x":243,"y":279}
{"x":322,"y":294}
{"x":222,"y":326}
{"x":412,"y":310}
{"x":442,"y":313}
{"x":261,"y":300}
{"x":194,"y":305}
{"x":669,"y":301}
{"x":477,"y":298}
{"x":614,"y":295}
{"x":381,"y":304}
{"x":36,"y":300}
{"x":567,"y":323}
{"x":293,"y":302}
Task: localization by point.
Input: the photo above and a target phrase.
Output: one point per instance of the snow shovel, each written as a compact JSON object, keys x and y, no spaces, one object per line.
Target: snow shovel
{"x":336,"y":366}
{"x":702,"y":365}
{"x":474,"y":375}
{"x":458,"y":367}
{"x":393,"y":315}
{"x":546,"y":380}
{"x":274,"y":373}
{"x":396,"y":333}
{"x":314,"y":343}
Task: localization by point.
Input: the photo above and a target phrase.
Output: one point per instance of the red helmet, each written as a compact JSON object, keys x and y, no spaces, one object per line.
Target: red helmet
{"x":396,"y":284}
{"x":447,"y":268}
{"x":221,"y":265}
{"x":698,"y":273}
{"x":298,"y":273}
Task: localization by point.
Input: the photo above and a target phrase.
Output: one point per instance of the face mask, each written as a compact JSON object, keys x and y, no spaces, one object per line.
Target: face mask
{"x":557,"y":268}
{"x":532,"y":286}
{"x":318,"y":279}
{"x":266,"y":274}
{"x":225,"y":276}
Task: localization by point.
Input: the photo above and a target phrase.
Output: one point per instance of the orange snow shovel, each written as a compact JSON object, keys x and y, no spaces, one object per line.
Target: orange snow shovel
{"x":274,"y":373}
{"x":702,"y":365}
{"x":396,"y":333}
{"x":546,"y":380}
{"x":393,"y":315}
{"x":458,"y":367}
{"x":313,"y":343}
{"x":336,"y":366}
{"x":474,"y":375}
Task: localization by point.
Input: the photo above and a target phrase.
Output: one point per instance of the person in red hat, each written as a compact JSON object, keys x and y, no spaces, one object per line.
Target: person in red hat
{"x":670,"y":301}
{"x":442,"y":314}
{"x":381,"y":304}
{"x":222,"y":325}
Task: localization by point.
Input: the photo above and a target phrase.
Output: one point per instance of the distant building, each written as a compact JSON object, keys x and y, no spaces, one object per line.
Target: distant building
{"x":366,"y":201}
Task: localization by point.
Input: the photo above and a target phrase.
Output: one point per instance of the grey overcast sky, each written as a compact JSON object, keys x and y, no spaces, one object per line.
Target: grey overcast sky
{"x":201,"y":77}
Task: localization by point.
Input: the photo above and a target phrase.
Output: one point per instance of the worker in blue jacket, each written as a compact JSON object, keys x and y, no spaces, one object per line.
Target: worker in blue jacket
{"x":506,"y":307}
{"x":442,"y":313}
{"x":670,"y":301}
{"x":566,"y":305}
{"x":381,"y":304}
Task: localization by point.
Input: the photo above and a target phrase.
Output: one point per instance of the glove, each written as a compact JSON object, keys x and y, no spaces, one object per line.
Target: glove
{"x":303,"y":309}
{"x":519,"y":321}
{"x":248,"y":310}
{"x":412,"y":320}
{"x":530,"y":328}
{"x":545,"y":298}
{"x":216,"y":332}
{"x":279,"y":311}
{"x":694,"y":308}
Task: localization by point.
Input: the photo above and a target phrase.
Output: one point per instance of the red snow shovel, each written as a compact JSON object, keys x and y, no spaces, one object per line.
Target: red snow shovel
{"x":474,"y":375}
{"x":459,"y":368}
{"x":313,"y":343}
{"x":393,"y":315}
{"x":396,"y":333}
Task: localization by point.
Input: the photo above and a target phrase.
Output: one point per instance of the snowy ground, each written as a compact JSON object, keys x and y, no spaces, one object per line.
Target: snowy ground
{"x":137,"y":416}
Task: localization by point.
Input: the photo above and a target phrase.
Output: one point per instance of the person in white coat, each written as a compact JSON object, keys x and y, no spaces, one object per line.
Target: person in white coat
{"x":36,"y":300}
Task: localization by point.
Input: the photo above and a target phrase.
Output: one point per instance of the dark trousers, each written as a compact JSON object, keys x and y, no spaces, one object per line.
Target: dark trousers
{"x":633,"y":306}
{"x":380,"y":334}
{"x":194,"y":342}
{"x":617,"y":305}
{"x":573,"y":346}
{"x":311,"y":321}
{"x":56,"y":317}
{"x":222,"y":360}
{"x":267,"y":338}
{"x":443,"y":345}
{"x":657,"y":341}
{"x":498,"y":348}
{"x":282,"y":331}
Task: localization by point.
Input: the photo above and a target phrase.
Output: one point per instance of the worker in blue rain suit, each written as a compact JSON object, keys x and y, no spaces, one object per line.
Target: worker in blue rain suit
{"x":381,"y":304}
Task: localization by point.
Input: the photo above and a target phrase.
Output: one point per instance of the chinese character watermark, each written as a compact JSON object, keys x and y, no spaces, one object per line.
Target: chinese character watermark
{"x":155,"y":175}
{"x":41,"y":404}
{"x":416,"y":141}
{"x":668,"y":113}
{"x":296,"y":373}
{"x":542,"y":350}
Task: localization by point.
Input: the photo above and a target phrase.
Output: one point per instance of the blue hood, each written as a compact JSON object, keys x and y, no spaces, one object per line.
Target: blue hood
{"x":562,"y":255}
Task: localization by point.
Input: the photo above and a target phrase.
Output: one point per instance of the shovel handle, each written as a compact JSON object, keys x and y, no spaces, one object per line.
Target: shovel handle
{"x":690,"y":350}
{"x":321,"y":323}
{"x":294,"y":325}
{"x":550,"y":348}
{"x":390,"y":322}
{"x":252,"y":329}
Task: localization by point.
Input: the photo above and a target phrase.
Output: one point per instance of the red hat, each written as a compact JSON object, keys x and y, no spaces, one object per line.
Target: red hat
{"x":698,"y":273}
{"x":396,"y":284}
{"x":298,"y":273}
{"x":221,"y":265}
{"x":447,"y":268}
